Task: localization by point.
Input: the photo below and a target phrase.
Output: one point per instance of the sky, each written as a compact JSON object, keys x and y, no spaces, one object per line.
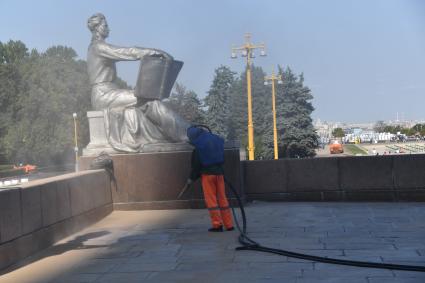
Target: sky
{"x":364,"y":60}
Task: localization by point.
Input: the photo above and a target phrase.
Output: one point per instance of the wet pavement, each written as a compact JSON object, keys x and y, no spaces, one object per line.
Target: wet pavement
{"x":174,"y":246}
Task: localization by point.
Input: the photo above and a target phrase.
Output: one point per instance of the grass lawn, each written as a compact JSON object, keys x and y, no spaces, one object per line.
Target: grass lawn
{"x":354,"y":149}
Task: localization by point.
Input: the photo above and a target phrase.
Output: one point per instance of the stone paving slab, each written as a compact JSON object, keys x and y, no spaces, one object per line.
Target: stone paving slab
{"x":174,"y":246}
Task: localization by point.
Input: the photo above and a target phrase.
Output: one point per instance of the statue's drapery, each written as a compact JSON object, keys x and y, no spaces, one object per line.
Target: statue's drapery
{"x":130,"y":129}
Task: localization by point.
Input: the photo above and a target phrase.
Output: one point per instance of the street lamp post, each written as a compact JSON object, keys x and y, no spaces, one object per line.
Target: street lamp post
{"x":273,"y":78}
{"x":74,"y":115}
{"x":247,"y":51}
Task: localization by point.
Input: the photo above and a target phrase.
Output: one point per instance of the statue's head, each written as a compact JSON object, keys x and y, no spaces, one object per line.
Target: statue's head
{"x":98,"y":26}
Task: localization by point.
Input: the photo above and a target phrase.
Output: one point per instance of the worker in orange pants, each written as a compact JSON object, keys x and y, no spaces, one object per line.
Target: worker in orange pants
{"x":207,"y":162}
{"x":216,"y":201}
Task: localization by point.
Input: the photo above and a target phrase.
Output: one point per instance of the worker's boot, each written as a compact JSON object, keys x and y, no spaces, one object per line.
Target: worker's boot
{"x":217,"y":229}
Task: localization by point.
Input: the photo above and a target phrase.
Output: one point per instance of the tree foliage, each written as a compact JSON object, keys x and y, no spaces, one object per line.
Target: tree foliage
{"x":298,"y":137}
{"x":238,"y":114}
{"x":419,"y":129}
{"x":338,"y":133}
{"x":12,"y":52}
{"x":217,"y":101}
{"x":296,"y":134}
{"x":43,"y":91}
{"x":379,"y":126}
{"x":187,"y":104}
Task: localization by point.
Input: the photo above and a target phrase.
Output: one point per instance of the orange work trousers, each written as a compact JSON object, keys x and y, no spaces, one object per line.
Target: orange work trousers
{"x":216,"y":200}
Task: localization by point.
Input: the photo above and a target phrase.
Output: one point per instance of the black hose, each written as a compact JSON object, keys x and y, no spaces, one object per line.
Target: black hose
{"x":249,"y":244}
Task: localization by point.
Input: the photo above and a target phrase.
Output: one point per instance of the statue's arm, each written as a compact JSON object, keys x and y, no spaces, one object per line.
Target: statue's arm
{"x":126,"y":53}
{"x":156,"y":52}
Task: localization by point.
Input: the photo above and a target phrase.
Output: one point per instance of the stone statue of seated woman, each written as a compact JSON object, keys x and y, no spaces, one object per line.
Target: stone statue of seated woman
{"x":132,"y":124}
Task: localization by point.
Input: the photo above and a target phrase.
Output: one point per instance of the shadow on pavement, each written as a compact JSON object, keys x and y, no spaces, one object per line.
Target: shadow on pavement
{"x":74,"y":244}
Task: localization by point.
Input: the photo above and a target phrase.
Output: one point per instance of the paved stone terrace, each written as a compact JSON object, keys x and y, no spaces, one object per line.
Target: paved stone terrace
{"x":174,"y":246}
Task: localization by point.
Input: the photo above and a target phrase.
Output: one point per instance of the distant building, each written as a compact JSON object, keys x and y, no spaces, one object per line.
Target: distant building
{"x":360,"y":132}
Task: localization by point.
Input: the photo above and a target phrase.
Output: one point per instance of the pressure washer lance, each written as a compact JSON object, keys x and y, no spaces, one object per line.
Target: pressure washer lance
{"x":249,"y":244}
{"x":186,"y":186}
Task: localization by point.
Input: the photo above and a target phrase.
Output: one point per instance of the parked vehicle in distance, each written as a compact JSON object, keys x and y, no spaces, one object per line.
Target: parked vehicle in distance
{"x":336,"y":148}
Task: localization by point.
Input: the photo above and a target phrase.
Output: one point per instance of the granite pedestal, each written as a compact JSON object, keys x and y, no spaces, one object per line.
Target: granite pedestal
{"x":154,"y":180}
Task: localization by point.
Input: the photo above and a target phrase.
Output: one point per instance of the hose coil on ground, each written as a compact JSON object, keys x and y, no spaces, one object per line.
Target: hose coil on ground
{"x":249,"y":244}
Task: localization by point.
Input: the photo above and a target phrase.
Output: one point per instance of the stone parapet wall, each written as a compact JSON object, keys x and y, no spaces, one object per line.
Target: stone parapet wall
{"x":38,"y":214}
{"x":366,"y":178}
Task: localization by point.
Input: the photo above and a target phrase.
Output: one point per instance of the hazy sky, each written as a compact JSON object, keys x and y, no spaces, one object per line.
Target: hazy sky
{"x":364,"y":60}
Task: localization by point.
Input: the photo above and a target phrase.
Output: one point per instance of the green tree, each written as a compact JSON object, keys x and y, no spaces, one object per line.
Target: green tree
{"x":338,"y":133}
{"x":379,"y":126}
{"x":217,"y":101}
{"x":392,"y":129}
{"x":408,"y":131}
{"x":12,"y":85}
{"x":419,"y":129}
{"x":298,"y":136}
{"x":12,"y":52}
{"x":238,"y":117}
{"x":186,"y":104}
{"x":10,"y":89}
{"x":56,"y":85}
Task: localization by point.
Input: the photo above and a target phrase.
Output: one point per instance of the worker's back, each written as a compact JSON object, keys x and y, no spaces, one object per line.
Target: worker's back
{"x":209,"y":147}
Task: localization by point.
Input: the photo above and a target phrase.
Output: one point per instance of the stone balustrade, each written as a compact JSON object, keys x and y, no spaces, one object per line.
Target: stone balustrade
{"x":40,"y":213}
{"x":367,"y":178}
